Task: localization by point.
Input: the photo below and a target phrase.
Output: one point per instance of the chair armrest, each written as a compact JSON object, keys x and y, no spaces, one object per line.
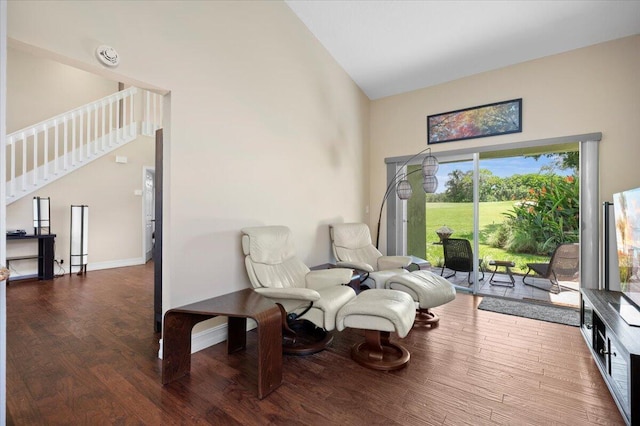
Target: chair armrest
{"x":393,"y":262}
{"x":361,"y":266}
{"x":317,"y":280}
{"x":290,"y":293}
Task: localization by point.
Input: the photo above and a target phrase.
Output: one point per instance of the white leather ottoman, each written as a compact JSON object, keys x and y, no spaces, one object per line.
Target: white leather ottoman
{"x":427,"y":289}
{"x":379,"y":312}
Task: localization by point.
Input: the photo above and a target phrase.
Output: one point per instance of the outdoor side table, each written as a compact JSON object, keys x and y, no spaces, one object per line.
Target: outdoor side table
{"x":507,"y":264}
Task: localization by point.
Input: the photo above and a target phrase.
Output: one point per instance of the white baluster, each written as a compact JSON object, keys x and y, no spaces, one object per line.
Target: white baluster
{"x":118,"y":123}
{"x":24,"y":162}
{"x":124,"y":115}
{"x":35,"y":158}
{"x":73,"y":140}
{"x":155,"y":113}
{"x":81,"y":140}
{"x":45,"y":160}
{"x":87,"y":145}
{"x":65,"y":144}
{"x":56,"y":147}
{"x":131,"y":120}
{"x":160,"y":100}
{"x":147,"y":113}
{"x":104,"y":123}
{"x":95,"y":129}
{"x":13,"y":166}
{"x":110,"y":124}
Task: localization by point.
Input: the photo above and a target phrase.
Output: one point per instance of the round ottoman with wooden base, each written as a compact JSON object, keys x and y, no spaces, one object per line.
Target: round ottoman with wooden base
{"x":379,"y":312}
{"x":428,"y":290}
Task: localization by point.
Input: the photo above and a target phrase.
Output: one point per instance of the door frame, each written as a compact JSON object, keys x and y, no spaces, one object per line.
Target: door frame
{"x":589,"y":197}
{"x":159,"y":228}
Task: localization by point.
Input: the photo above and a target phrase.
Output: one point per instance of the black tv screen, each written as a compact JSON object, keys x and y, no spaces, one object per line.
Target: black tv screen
{"x":626,"y":207}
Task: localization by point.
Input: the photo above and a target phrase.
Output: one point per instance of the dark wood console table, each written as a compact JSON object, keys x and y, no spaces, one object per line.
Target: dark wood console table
{"x":237,"y":306}
{"x":45,"y":254}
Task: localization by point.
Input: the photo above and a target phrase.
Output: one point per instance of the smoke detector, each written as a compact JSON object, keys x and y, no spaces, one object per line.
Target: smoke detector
{"x":108,"y":56}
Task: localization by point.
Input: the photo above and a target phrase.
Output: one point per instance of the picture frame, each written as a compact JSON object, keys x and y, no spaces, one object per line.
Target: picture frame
{"x":498,"y":118}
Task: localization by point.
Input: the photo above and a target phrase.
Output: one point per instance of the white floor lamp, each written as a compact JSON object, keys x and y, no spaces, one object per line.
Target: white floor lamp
{"x":79,"y":238}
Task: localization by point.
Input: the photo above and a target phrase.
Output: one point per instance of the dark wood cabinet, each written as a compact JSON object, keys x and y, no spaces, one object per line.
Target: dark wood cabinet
{"x":615,"y":346}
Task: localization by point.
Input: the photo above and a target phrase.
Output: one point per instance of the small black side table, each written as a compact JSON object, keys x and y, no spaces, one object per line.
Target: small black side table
{"x":507,"y":264}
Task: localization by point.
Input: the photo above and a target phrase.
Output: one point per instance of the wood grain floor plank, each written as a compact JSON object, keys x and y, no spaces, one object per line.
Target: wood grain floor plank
{"x":81,"y":350}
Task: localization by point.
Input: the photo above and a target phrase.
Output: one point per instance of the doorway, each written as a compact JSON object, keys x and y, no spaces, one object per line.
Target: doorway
{"x":142,"y":250}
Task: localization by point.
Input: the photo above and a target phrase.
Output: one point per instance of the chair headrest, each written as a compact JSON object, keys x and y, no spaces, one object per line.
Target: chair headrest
{"x":267,"y":244}
{"x":351,"y":235}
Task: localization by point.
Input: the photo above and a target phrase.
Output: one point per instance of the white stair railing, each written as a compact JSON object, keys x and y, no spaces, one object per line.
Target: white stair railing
{"x":44,"y":152}
{"x":151,"y":113}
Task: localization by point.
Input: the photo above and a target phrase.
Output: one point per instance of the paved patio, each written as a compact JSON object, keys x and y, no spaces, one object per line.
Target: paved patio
{"x":519,"y":291}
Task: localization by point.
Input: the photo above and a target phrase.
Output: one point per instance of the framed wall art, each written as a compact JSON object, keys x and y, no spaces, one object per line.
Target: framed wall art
{"x":499,"y":118}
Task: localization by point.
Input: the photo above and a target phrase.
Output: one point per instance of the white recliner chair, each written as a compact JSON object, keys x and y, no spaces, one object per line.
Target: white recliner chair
{"x":309,"y":300}
{"x":352,"y":248}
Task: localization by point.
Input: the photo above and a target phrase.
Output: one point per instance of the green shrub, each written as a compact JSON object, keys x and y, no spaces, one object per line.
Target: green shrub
{"x":547,"y":217}
{"x":499,"y":237}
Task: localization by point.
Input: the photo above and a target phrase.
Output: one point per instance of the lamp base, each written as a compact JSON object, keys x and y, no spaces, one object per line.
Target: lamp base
{"x":81,"y":271}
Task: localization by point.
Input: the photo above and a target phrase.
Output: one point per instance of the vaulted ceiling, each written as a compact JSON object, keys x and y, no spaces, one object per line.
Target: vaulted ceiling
{"x":391,"y":47}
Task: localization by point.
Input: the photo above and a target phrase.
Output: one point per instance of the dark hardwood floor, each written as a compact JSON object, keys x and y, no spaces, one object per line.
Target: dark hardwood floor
{"x":81,"y":350}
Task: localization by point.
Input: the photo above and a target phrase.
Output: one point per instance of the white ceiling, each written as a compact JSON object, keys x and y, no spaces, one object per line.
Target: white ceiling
{"x":391,"y":47}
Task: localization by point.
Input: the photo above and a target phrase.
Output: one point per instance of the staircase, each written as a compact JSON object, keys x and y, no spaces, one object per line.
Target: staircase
{"x":42,"y":153}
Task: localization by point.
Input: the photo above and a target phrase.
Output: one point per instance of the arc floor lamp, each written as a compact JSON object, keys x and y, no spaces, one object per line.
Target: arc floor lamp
{"x":402,"y":186}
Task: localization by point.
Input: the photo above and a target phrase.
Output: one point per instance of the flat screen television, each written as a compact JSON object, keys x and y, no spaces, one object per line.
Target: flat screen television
{"x":626,"y":207}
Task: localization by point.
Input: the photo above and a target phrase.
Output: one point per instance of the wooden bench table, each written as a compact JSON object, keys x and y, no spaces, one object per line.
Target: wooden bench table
{"x":237,"y":306}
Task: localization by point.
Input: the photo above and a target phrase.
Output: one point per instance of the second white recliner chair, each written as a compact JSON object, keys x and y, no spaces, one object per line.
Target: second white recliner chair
{"x":352,"y":248}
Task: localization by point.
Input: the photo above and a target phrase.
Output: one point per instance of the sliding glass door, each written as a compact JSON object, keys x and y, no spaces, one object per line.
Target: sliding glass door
{"x":512,"y":206}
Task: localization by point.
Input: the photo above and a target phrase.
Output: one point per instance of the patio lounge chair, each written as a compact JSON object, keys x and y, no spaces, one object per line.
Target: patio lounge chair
{"x":564,"y":263}
{"x":458,"y":257}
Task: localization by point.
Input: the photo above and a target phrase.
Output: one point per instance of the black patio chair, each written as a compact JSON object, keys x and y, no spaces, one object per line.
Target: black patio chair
{"x":564,"y":263}
{"x":458,"y":257}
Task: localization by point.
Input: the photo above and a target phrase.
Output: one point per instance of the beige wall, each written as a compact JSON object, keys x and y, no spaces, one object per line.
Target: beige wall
{"x":595,"y":89}
{"x":265,"y":127}
{"x":39,"y":88}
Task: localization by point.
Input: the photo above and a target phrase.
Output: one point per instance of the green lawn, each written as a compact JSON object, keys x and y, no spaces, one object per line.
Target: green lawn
{"x":459,"y":217}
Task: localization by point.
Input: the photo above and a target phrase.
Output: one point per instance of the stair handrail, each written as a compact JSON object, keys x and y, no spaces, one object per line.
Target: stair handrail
{"x":105,"y":100}
{"x":110,"y":122}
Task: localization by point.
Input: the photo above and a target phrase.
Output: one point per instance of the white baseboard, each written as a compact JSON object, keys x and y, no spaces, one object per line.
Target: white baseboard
{"x":32,"y":271}
{"x":120,"y":263}
{"x":209,"y":337}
